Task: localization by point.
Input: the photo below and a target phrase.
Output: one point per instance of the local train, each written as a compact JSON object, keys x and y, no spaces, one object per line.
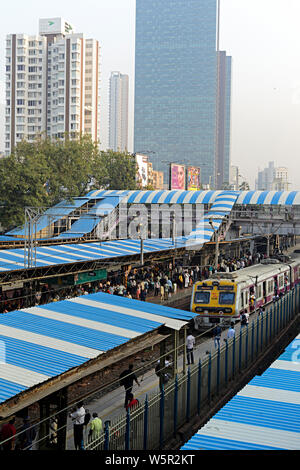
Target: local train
{"x":224,"y":296}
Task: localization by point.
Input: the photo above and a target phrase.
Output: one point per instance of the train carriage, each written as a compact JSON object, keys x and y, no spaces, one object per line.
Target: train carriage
{"x":224,"y":296}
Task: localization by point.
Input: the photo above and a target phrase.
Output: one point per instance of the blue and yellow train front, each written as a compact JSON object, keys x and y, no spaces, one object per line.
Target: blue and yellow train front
{"x":215,"y":302}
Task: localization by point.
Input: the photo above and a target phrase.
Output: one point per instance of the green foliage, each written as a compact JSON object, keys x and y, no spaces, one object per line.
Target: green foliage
{"x":45,"y":172}
{"x":115,"y":170}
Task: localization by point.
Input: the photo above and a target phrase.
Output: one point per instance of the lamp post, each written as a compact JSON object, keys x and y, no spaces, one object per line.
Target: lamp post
{"x":216,"y":243}
{"x":142,"y":244}
{"x":173,"y":230}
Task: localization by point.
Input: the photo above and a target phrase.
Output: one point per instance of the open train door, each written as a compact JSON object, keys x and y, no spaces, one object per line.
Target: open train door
{"x":265,"y":291}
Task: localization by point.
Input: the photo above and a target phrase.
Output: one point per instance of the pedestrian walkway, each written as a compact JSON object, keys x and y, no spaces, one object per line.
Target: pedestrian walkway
{"x":111,"y":406}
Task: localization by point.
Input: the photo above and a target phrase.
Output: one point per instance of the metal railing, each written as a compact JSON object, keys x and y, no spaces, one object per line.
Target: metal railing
{"x":158,"y":419}
{"x":162,"y":414}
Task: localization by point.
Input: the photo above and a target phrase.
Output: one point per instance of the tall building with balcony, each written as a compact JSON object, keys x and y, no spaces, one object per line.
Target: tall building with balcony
{"x":118,"y":111}
{"x":26,"y":74}
{"x":281,"y":180}
{"x":52,"y":84}
{"x":182,"y":86}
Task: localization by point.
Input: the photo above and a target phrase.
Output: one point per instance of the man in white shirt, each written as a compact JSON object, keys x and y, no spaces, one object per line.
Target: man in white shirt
{"x":78,"y":423}
{"x":231,"y":332}
{"x":190,"y":342}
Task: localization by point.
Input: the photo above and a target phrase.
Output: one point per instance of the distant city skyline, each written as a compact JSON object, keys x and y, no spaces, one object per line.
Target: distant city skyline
{"x":263,"y":38}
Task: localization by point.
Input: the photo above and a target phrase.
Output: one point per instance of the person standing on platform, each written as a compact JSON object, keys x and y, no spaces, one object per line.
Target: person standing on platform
{"x":127,"y":377}
{"x":28,"y":434}
{"x":162,"y":293}
{"x":190,"y":343}
{"x":95,"y":427}
{"x":8,"y":431}
{"x":244,"y":318}
{"x":217,"y":335}
{"x":231,"y":331}
{"x":78,"y":417}
{"x":133,"y":403}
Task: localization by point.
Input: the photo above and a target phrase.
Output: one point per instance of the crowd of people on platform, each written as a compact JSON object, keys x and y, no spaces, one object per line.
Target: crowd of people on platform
{"x":234,"y":264}
{"x":158,"y":281}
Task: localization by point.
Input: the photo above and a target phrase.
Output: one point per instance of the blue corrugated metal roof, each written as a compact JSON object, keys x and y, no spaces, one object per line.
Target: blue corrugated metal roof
{"x":285,"y":198}
{"x":87,"y":222}
{"x":45,"y":341}
{"x":13,"y":259}
{"x":9,"y":389}
{"x":221,"y":202}
{"x":208,"y":197}
{"x":222,"y":205}
{"x":264,"y":415}
{"x":53,"y":214}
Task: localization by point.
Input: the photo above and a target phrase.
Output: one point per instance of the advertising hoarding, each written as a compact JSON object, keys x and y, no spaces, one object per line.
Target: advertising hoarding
{"x":177,"y":176}
{"x":142,"y":170}
{"x":193,"y":178}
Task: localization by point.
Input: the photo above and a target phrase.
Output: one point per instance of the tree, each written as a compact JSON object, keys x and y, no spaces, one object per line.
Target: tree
{"x":45,"y":172}
{"x":22,"y":184}
{"x":115,"y":170}
{"x":42,"y":173}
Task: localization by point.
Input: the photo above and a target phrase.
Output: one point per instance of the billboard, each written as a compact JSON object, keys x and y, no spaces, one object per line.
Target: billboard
{"x":142,"y":170}
{"x":54,"y":26}
{"x":193,"y":178}
{"x":177,"y":176}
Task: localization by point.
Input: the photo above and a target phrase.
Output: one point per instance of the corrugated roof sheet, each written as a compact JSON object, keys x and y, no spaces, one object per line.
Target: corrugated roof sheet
{"x":87,"y":223}
{"x":13,"y":259}
{"x":264,"y":415}
{"x":53,"y":214}
{"x":45,"y":341}
{"x":221,"y":207}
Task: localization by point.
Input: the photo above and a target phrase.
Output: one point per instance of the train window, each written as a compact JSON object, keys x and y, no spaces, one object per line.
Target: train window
{"x":202,"y":297}
{"x":226,"y":298}
{"x":242,"y":299}
{"x":270,"y":287}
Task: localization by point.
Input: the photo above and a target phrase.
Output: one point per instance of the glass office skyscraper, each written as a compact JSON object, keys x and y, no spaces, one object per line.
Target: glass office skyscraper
{"x":176,"y":83}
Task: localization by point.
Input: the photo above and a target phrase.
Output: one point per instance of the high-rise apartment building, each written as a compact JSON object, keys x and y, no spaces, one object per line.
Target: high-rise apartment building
{"x":118,"y":112}
{"x":223,"y":119}
{"x":273,"y":179}
{"x":234,"y":177}
{"x":52,"y":84}
{"x":265,"y":178}
{"x":182,"y":86}
{"x":281,"y":180}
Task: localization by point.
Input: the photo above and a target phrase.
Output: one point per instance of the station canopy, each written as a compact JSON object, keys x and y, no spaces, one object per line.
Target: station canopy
{"x":40,"y":343}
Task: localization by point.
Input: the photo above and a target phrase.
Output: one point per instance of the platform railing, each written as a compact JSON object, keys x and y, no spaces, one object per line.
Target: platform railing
{"x":162,"y":414}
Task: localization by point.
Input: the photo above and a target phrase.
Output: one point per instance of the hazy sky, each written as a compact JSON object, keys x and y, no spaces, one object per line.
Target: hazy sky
{"x":263,"y":37}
